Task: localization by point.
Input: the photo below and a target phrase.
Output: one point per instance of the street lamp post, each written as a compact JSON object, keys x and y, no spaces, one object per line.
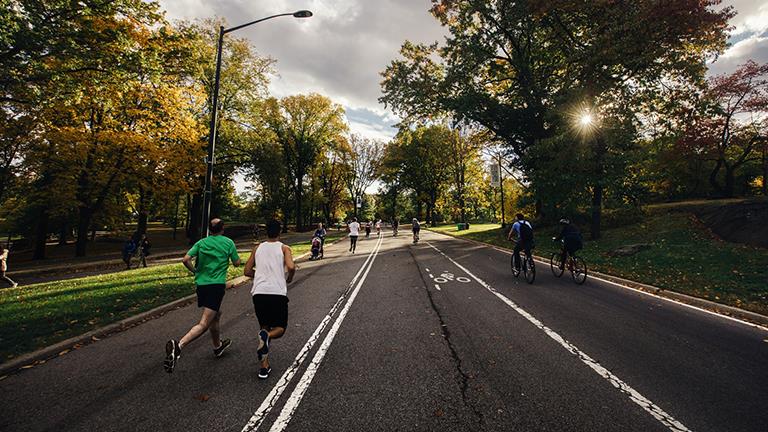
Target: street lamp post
{"x":207,"y":194}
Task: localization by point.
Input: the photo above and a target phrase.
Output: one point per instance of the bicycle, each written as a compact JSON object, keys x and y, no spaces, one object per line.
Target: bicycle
{"x":141,"y":261}
{"x":528,"y":267}
{"x":576,"y":265}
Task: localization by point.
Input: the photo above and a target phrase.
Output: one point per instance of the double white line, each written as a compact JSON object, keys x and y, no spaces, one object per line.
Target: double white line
{"x":301,"y":388}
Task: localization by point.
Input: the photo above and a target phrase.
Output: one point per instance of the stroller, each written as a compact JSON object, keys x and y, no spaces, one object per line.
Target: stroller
{"x":317,"y":248}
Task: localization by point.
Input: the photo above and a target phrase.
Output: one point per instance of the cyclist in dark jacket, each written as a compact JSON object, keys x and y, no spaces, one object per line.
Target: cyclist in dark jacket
{"x":572,"y":240}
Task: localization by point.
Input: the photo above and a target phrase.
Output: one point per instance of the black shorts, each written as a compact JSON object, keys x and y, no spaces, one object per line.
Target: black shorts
{"x":210,"y":296}
{"x":271,"y":310}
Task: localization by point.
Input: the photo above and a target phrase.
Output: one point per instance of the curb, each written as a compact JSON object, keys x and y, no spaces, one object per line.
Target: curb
{"x":727,"y":311}
{"x":42,"y":355}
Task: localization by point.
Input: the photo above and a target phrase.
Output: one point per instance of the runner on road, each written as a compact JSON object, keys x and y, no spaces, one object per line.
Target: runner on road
{"x":212,"y":254}
{"x":378,"y":228}
{"x":395,"y":224}
{"x":4,"y":267}
{"x":354,"y":232}
{"x":268,"y":265}
{"x":415,"y":227}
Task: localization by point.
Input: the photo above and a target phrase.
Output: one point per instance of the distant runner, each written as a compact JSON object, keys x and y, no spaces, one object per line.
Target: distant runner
{"x":268,"y":265}
{"x":395,"y":224}
{"x":212,"y":254}
{"x":354,"y":233}
{"x":415,"y":227}
{"x":378,"y":228}
{"x":4,"y":267}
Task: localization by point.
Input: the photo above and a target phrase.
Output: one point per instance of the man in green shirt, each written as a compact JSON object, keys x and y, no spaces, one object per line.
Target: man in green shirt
{"x":212,"y":255}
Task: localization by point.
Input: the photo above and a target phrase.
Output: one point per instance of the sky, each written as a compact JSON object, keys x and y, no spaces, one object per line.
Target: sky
{"x":342,"y":49}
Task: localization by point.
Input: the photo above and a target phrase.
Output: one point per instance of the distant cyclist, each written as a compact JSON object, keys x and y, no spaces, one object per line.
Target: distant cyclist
{"x":416,"y":227}
{"x":572,"y":240}
{"x":523,"y":230}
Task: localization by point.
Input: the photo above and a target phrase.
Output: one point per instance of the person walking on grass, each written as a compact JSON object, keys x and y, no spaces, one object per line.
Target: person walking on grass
{"x":4,"y":267}
{"x":272,"y":268}
{"x":212,"y":256}
{"x":354,"y":233}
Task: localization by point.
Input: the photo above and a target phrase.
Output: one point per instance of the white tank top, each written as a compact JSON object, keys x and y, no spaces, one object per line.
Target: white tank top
{"x":269,"y":269}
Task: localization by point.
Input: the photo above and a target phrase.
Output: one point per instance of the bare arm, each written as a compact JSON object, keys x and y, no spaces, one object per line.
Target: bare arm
{"x":187,"y":261}
{"x":249,"y":270}
{"x":290,"y":266}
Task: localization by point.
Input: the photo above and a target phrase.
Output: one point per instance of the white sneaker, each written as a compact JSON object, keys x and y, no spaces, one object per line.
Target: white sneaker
{"x":14,"y":285}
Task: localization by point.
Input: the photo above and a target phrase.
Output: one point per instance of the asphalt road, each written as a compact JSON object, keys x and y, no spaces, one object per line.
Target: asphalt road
{"x":374,"y":345}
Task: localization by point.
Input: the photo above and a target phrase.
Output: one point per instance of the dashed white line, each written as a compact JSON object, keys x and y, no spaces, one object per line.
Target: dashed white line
{"x":273,"y":396}
{"x":301,"y":388}
{"x":653,"y":409}
{"x":437,"y":287}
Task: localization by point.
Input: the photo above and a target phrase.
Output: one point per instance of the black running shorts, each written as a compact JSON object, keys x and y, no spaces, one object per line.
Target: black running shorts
{"x":271,"y":310}
{"x":210,"y":296}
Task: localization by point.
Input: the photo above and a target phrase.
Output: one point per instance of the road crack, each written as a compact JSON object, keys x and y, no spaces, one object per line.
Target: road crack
{"x":463,"y":376}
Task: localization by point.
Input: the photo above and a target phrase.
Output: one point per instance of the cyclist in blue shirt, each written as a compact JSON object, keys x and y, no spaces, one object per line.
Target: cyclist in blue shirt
{"x":524,"y":232}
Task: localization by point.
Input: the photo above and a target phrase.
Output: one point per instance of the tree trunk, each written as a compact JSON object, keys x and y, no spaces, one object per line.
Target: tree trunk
{"x":597,"y":205}
{"x":63,"y":233}
{"x":765,"y":171}
{"x":141,"y":228}
{"x":193,"y":229}
{"x":730,"y":178}
{"x":299,"y":198}
{"x":713,"y":177}
{"x":41,"y":234}
{"x":83,"y":223}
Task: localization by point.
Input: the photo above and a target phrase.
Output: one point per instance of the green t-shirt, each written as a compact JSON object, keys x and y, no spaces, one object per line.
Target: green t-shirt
{"x":213,"y":254}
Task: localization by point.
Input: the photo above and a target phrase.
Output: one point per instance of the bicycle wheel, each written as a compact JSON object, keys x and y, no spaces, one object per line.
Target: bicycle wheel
{"x":529,"y":269}
{"x":515,"y":271}
{"x":556,"y":265}
{"x":579,"y":270}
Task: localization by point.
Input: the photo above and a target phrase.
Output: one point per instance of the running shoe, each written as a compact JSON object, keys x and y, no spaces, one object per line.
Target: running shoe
{"x":225,"y":343}
{"x":264,"y":372}
{"x":263,"y":344}
{"x":14,"y":285}
{"x":172,"y":355}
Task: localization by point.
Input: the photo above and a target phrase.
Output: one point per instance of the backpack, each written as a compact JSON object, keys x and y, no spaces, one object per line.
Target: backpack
{"x":526,"y":232}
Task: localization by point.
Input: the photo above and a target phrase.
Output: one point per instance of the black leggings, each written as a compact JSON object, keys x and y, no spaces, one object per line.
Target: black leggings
{"x":352,"y":243}
{"x":5,"y":278}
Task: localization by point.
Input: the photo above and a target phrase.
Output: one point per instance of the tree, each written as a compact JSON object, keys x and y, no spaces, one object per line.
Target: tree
{"x":465,"y":163}
{"x":242,"y":91}
{"x":363,"y":161}
{"x":517,"y":67}
{"x":305,"y":126}
{"x":417,"y":160}
{"x":730,"y":128}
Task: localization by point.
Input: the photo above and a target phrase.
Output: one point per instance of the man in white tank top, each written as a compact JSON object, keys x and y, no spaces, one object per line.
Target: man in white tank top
{"x":354,"y":232}
{"x":272,"y":268}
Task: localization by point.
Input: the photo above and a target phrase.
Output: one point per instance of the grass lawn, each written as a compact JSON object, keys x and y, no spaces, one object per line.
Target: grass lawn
{"x":35,"y":316}
{"x":683,"y":257}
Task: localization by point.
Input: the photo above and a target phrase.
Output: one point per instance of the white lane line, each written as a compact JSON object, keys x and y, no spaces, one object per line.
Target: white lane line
{"x":273,"y":396}
{"x":437,"y":286}
{"x":430,"y":276}
{"x":653,"y":409}
{"x":656,"y":296}
{"x":426,"y":269}
{"x":301,"y":388}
